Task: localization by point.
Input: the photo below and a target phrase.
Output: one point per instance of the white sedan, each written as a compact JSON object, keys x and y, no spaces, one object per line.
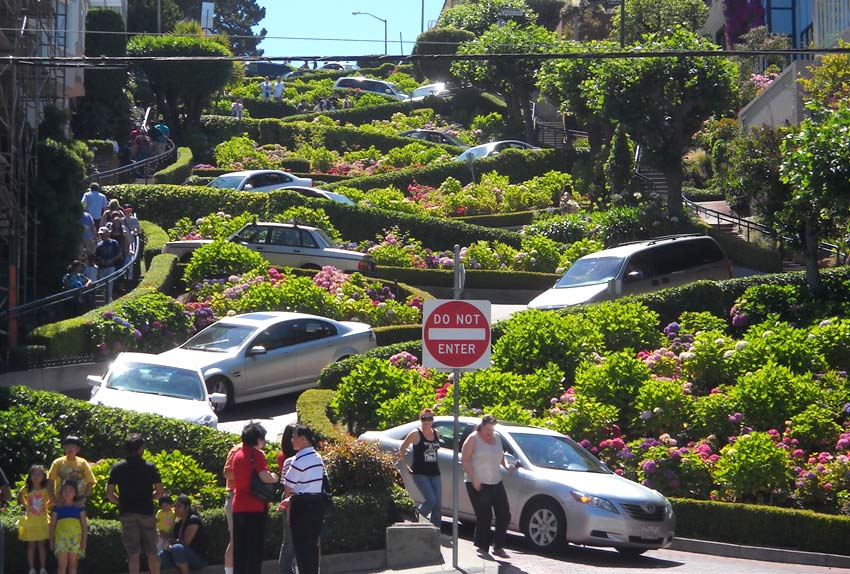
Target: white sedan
{"x":558,"y":492}
{"x":258,"y":180}
{"x":159,"y":385}
{"x":265,"y":354}
{"x":493,"y":148}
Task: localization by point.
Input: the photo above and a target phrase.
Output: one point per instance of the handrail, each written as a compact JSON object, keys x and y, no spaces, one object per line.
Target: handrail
{"x":747,"y":225}
{"x":647,"y":184}
{"x":132,"y":167}
{"x":71,"y":294}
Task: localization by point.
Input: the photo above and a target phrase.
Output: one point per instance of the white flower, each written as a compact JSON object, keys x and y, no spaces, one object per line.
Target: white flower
{"x":766,"y":334}
{"x":741,"y":345}
{"x":728,"y":353}
{"x":825,"y":322}
{"x":720,"y":341}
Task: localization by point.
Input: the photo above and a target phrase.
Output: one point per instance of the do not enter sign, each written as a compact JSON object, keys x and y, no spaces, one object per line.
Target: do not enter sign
{"x":456,"y":334}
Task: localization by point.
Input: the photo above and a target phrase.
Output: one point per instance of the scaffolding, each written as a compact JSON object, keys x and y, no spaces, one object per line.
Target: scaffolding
{"x":27,"y":28}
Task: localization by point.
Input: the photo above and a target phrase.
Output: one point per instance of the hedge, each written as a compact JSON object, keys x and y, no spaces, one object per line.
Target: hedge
{"x":155,"y":238}
{"x":332,"y":374}
{"x":312,"y":409}
{"x":475,"y":278}
{"x":69,"y":338}
{"x":364,"y":115}
{"x":392,"y":334}
{"x":355,"y":223}
{"x":178,"y":171}
{"x":518,"y":165}
{"x":515,"y":219}
{"x":748,"y":254}
{"x":751,"y":524}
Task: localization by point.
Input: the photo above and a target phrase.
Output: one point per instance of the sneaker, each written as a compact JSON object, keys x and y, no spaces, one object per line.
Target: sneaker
{"x":500,"y":552}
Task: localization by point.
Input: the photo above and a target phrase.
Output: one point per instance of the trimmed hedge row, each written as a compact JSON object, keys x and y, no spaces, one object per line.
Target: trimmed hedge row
{"x":475,"y":278}
{"x":178,"y":171}
{"x":518,"y":165}
{"x":756,"y":525}
{"x":355,"y":223}
{"x":68,"y":338}
{"x":312,"y":409}
{"x":364,"y":115}
{"x":392,"y":334}
{"x":515,"y":219}
{"x":333,"y":373}
{"x":155,"y":238}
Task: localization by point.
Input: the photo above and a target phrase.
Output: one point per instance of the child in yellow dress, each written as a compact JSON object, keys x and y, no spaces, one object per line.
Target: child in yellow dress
{"x":34,"y":526}
{"x":68,"y":530}
{"x":165,"y":518}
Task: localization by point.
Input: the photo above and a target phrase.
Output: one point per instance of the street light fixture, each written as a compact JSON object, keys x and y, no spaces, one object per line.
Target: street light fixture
{"x":376,"y":18}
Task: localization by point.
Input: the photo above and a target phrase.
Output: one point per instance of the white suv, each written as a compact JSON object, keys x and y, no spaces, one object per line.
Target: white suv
{"x":371,"y":85}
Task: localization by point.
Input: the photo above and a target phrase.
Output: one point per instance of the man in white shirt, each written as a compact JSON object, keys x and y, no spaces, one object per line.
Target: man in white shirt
{"x":278,"y":90}
{"x":94,"y":202}
{"x":303,"y":494}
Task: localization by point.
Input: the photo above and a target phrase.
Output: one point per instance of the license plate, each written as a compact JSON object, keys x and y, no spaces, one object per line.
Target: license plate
{"x":649,"y":533}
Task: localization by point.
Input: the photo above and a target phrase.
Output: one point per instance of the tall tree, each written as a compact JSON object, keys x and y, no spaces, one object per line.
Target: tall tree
{"x":477,"y":17}
{"x":438,"y":41}
{"x":182,"y":88}
{"x":659,"y":17}
{"x":234,"y":18}
{"x":514,"y":77}
{"x":142,"y":16}
{"x":816,"y":164}
{"x":662,"y":102}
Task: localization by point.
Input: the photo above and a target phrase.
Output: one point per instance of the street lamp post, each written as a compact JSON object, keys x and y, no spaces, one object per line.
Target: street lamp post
{"x":376,"y":18}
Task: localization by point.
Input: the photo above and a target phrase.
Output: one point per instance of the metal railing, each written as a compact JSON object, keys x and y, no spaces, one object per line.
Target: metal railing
{"x":553,"y":134}
{"x":141,"y":169}
{"x":646,"y":184}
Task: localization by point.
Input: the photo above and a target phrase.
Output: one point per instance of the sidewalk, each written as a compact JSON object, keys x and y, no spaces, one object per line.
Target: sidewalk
{"x":469,"y":561}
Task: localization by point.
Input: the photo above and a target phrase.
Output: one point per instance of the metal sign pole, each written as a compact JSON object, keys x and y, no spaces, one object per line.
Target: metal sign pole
{"x":458,"y":288}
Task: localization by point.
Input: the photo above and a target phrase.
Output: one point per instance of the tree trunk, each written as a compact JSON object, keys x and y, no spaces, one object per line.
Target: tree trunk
{"x":673,"y":173}
{"x":811,"y":253}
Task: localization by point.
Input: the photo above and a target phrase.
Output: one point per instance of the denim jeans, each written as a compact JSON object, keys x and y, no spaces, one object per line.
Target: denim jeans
{"x":431,"y":490}
{"x":180,"y":554}
{"x":286,"y":560}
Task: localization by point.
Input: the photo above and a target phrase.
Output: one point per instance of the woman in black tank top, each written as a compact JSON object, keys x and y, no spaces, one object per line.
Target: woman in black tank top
{"x":425,"y":470}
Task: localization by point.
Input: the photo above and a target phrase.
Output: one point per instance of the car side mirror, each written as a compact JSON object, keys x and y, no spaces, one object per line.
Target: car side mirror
{"x":94,"y":380}
{"x":247,"y":187}
{"x":633,"y":276}
{"x":257,"y":350}
{"x":512,"y":461}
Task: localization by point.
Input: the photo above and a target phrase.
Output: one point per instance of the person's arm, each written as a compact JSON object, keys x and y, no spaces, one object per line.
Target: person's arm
{"x":466,"y":453}
{"x":22,"y":500}
{"x":265,"y":475}
{"x":189,"y":535}
{"x":411,"y":438}
{"x":228,"y":465}
{"x":111,"y":495}
{"x":158,"y":491}
{"x":84,"y":524}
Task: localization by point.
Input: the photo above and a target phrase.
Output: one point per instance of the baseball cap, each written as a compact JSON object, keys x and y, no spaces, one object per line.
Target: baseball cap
{"x":71,"y":439}
{"x":103,"y":230}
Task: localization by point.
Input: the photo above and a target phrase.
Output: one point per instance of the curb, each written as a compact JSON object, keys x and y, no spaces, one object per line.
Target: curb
{"x":760,"y":553}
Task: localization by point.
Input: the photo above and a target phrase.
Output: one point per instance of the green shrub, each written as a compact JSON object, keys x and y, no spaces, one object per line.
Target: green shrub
{"x":815,"y":428}
{"x":616,"y":381}
{"x":692,"y":322}
{"x":778,"y":342}
{"x":752,"y":468}
{"x":567,"y":228}
{"x":221,"y":259}
{"x":711,"y":415}
{"x":673,"y":472}
{"x":178,"y":171}
{"x":583,"y":418}
{"x":28,"y":438}
{"x":532,"y":339}
{"x":332,"y":374}
{"x":624,"y":325}
{"x":773,"y":394}
{"x":832,"y":338}
{"x":663,"y":406}
{"x":312,"y":409}
{"x":358,"y":466}
{"x":155,"y":239}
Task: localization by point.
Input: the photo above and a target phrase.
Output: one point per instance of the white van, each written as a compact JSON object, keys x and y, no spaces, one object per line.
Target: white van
{"x":370,"y":85}
{"x":637,"y":267}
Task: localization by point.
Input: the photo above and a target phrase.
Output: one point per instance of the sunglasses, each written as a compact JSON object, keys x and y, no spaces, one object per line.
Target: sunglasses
{"x":426,"y":418}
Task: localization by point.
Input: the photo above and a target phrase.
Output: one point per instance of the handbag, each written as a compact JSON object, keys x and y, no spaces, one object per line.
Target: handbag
{"x":265,"y":491}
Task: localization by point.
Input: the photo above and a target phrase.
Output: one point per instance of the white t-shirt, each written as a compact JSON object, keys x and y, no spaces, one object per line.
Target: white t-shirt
{"x":278,"y":90}
{"x":94,"y":202}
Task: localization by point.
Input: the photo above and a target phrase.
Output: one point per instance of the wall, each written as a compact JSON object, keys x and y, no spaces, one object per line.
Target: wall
{"x":781,"y":103}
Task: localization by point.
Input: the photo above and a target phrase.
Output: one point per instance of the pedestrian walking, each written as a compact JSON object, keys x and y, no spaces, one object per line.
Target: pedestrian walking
{"x":425,"y":470}
{"x":286,"y":558}
{"x":483,"y":456}
{"x":303,"y":498}
{"x":249,"y":511}
{"x":133,"y":485}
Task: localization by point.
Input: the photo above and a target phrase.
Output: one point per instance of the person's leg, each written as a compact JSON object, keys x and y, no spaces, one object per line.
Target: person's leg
{"x":481,"y":505}
{"x":437,"y":489}
{"x":166,"y":560}
{"x":287,"y":552}
{"x":180,"y":558}
{"x":259,"y":532}
{"x":147,"y":539}
{"x":424,"y":486}
{"x":194,"y":561}
{"x":240,"y":540}
{"x":228,"y":552}
{"x":502,"y":510}
{"x":72,"y":562}
{"x":62,"y":563}
{"x":307,"y":517}
{"x":31,"y":555}
{"x":42,"y":553}
{"x":133,"y":561}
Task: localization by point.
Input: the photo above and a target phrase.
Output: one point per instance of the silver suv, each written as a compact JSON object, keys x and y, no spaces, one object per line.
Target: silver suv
{"x":388,"y":89}
{"x":637,"y":267}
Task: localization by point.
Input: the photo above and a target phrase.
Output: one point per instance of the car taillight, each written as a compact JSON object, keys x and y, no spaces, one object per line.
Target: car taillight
{"x":366,"y":265}
{"x":310,"y":184}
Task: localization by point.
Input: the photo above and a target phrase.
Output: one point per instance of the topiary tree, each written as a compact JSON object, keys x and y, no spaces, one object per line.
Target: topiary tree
{"x":438,"y":41}
{"x":182,"y":88}
{"x":619,"y":169}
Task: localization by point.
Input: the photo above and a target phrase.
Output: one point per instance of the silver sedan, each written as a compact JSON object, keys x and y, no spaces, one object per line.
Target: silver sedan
{"x":558,"y":491}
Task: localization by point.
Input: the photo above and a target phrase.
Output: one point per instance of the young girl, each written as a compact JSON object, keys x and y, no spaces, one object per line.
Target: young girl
{"x":68,"y":530}
{"x":34,"y":528}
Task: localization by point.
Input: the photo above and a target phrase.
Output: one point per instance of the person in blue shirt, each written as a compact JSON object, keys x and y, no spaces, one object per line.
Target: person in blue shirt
{"x":107,"y":255}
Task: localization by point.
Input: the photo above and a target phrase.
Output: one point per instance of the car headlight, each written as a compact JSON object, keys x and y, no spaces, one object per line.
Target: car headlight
{"x":594,"y":501}
{"x":207,"y":421}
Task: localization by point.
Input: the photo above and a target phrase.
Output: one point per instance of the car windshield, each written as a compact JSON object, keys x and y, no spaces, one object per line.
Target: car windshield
{"x":219,"y":338}
{"x":325,"y":237}
{"x":476,"y":152}
{"x":226,"y":181}
{"x":558,"y":452}
{"x":590,"y":270}
{"x":156,"y":380}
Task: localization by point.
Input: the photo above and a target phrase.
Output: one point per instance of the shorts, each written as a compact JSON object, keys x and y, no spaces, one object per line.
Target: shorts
{"x":228,"y":511}
{"x":138,"y":533}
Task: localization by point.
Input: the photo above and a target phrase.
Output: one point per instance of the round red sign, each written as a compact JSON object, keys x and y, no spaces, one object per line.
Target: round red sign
{"x":456,"y":334}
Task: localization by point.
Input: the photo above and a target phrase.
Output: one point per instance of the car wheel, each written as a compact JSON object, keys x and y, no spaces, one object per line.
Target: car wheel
{"x":634,"y":552}
{"x":545,"y":525}
{"x":311,"y":267}
{"x":221,"y":385}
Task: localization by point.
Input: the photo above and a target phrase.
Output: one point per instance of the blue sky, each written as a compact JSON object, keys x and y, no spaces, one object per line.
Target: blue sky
{"x":307,"y":27}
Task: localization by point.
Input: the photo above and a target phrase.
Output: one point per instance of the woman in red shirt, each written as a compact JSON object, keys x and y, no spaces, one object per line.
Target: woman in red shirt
{"x":249,"y":512}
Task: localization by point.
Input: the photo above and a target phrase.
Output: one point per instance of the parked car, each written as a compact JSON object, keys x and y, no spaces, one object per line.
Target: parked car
{"x":336,"y":66}
{"x":265,"y":354}
{"x":371,"y":85}
{"x":637,"y":267}
{"x":319,"y":193}
{"x":558,"y":492}
{"x":438,"y":89}
{"x":258,"y":180}
{"x":155,"y":384}
{"x":286,"y":245}
{"x":434,"y":136}
{"x":493,"y":148}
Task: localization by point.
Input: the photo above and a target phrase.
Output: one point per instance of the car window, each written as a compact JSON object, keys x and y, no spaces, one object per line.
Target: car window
{"x":156,"y":380}
{"x":252,"y":234}
{"x":646,"y":263}
{"x":276,"y":336}
{"x":558,"y":452}
{"x":226,"y":182}
{"x":446,"y":431}
{"x":307,"y":239}
{"x":311,"y":330}
{"x":705,"y":250}
{"x":590,"y":270}
{"x":275,"y":179}
{"x":307,"y":192}
{"x":287,"y":236}
{"x":219,"y":337}
{"x":256,"y":180}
